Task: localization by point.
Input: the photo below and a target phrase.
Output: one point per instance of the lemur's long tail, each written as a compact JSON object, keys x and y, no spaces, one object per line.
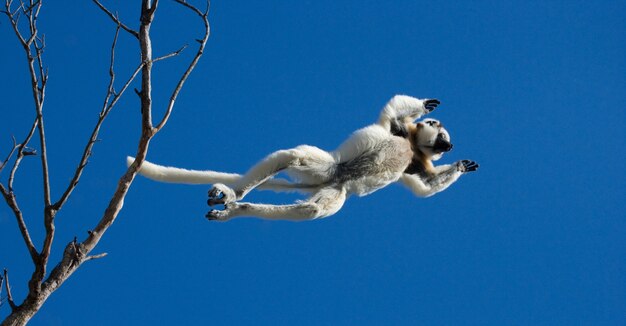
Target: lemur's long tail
{"x":177,"y":175}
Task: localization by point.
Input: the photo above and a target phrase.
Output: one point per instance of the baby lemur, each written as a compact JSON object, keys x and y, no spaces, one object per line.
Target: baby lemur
{"x":394,"y":149}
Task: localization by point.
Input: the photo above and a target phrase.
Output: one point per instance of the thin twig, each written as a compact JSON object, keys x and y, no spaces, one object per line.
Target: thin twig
{"x":132,"y":77}
{"x":32,"y":6}
{"x":194,"y":9}
{"x":1,"y":285}
{"x":110,"y":89}
{"x":98,"y":256}
{"x":13,"y":19}
{"x":175,"y":53}
{"x":4,"y":163}
{"x":8,"y":288}
{"x":94,"y":134}
{"x":39,"y":90}
{"x":116,"y":19}
{"x":21,"y":153}
{"x":192,"y":65}
{"x":107,"y":107}
{"x":9,"y":197}
{"x":38,"y":55}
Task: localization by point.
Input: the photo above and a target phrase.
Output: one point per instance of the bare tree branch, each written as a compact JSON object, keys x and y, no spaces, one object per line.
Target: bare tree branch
{"x":39,"y":45}
{"x":9,"y":197}
{"x":173,"y":54}
{"x":115,"y":205}
{"x":117,"y":20}
{"x":110,"y":89}
{"x":98,"y":256}
{"x":76,"y":253}
{"x":6,"y":160}
{"x":106,"y":108}
{"x":192,"y":65}
{"x":21,"y":153}
{"x":38,"y":84}
{"x":196,"y":10}
{"x":14,"y":19}
{"x":8,"y":288}
{"x":94,"y":134}
{"x":38,"y":87}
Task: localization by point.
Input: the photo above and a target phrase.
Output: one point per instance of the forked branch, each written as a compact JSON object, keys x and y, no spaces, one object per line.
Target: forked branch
{"x":207,"y":32}
{"x":110,"y":100}
{"x":9,"y":194}
{"x":116,"y":19}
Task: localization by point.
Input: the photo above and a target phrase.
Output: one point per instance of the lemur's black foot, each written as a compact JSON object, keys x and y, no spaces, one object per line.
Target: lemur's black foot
{"x":431,"y":104}
{"x":215,"y":215}
{"x":222,"y":215}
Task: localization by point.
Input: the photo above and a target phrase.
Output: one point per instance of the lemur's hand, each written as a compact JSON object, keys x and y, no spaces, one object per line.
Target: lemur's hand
{"x":466,"y":166}
{"x":221,"y":194}
{"x":431,"y":104}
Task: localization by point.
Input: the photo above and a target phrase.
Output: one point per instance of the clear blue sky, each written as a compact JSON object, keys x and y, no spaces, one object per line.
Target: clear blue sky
{"x":534,"y":91}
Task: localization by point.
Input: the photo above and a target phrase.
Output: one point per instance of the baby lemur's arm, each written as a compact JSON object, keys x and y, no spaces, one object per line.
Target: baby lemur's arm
{"x":403,"y":109}
{"x":426,"y":184}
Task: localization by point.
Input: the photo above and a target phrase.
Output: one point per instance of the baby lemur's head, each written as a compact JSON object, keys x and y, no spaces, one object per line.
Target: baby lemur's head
{"x":431,"y":139}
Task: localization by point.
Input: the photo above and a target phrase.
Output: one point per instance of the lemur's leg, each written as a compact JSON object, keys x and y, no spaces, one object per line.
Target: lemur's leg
{"x":301,"y":156}
{"x":324,"y":203}
{"x":445,"y":175}
{"x":403,"y":109}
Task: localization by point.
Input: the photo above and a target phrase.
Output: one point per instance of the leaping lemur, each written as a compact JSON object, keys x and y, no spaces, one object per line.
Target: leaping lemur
{"x":394,"y":149}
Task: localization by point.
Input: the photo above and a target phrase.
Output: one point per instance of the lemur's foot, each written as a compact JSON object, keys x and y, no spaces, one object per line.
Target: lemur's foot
{"x":431,"y":104}
{"x":467,"y":166}
{"x":215,"y":215}
{"x":221,"y":194}
{"x":221,"y":215}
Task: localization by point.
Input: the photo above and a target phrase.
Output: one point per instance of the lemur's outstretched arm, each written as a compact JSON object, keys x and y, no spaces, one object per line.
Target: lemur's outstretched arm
{"x":403,"y":109}
{"x":445,"y":175}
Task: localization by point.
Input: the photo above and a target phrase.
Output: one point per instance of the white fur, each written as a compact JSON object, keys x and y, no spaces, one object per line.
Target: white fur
{"x":370,"y":159}
{"x":177,"y":175}
{"x":422,"y":188}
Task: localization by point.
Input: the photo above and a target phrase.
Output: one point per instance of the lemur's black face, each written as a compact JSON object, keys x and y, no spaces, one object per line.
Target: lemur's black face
{"x":432,"y":138}
{"x":442,"y":145}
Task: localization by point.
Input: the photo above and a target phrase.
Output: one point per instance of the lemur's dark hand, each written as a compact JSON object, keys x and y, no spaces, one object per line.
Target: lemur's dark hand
{"x":467,"y":166}
{"x":431,"y":104}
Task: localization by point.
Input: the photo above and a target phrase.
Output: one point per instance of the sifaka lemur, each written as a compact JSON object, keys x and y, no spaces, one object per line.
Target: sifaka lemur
{"x":394,"y":149}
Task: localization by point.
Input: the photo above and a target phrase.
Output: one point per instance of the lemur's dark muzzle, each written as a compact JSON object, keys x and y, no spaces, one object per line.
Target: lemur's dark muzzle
{"x":441,"y":145}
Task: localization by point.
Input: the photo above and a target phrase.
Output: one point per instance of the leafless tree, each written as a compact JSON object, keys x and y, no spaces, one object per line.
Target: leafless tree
{"x":46,"y":278}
